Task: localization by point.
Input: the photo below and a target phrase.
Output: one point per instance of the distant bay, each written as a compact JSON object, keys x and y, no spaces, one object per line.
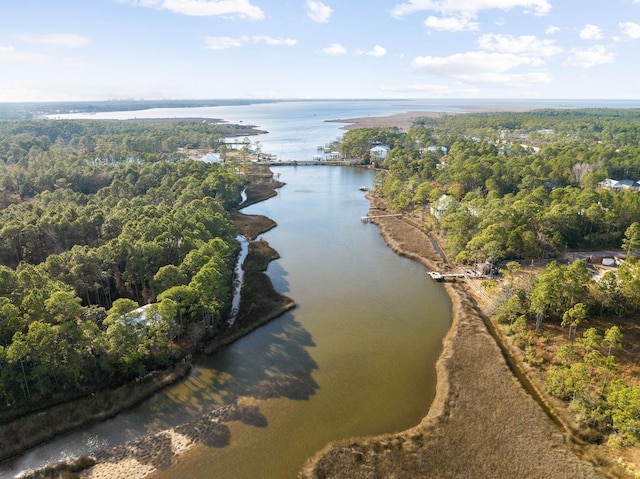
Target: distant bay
{"x":296,"y":128}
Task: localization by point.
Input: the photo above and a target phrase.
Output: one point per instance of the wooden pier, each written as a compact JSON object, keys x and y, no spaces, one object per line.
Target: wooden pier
{"x":367,"y":219}
{"x":437,"y":276}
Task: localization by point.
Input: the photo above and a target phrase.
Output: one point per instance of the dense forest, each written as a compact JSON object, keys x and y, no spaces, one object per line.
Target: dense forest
{"x":98,"y":218}
{"x":514,"y":189}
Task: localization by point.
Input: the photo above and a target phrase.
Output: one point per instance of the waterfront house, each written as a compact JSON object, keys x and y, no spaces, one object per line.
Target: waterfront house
{"x":379,"y":152}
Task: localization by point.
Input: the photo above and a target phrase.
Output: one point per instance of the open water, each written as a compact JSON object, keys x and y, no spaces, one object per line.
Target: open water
{"x":297,"y":128}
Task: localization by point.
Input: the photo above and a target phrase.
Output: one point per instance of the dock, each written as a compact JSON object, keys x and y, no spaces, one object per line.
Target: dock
{"x":437,"y":276}
{"x":367,"y":219}
{"x":294,"y":163}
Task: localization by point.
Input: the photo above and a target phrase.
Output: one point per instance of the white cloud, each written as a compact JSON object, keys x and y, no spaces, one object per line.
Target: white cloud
{"x":335,"y":49}
{"x":468,"y":8}
{"x":270,"y":40}
{"x":57,"y":39}
{"x":630,"y":30}
{"x":524,"y":45}
{"x":431,"y":89}
{"x":376,"y":51}
{"x":552,"y":30}
{"x":10,"y":54}
{"x":318,"y":11}
{"x":479,"y":67}
{"x":222,"y":43}
{"x":589,"y":57}
{"x":451,"y":24}
{"x":510,"y":79}
{"x":469,"y":62}
{"x":205,"y":8}
{"x":591,"y":32}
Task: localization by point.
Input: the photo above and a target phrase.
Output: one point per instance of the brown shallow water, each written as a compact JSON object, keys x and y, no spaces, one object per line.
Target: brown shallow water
{"x":356,"y":356}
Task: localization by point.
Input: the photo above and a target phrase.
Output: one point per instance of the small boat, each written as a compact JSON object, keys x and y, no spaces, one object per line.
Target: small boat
{"x":363,"y":188}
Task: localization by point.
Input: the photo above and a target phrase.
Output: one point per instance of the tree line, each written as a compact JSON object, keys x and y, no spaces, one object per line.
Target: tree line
{"x":583,"y":367}
{"x":98,"y":233}
{"x":496,"y":197}
{"x":517,"y":187}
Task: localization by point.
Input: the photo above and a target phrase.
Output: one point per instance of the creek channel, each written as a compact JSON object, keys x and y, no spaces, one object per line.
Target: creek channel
{"x":356,"y":357}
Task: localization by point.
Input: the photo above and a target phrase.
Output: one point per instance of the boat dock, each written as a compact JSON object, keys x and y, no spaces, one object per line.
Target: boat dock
{"x":367,"y":219}
{"x":437,"y":276}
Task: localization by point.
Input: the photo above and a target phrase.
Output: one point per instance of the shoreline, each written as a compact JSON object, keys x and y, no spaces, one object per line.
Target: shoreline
{"x":405,"y":120}
{"x":482,"y":422}
{"x":388,"y":454}
{"x":259,"y":304}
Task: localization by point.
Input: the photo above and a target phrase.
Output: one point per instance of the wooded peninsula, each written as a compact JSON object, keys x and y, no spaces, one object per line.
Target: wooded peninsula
{"x":99,"y":218}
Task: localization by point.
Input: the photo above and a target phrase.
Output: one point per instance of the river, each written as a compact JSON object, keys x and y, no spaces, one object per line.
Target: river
{"x":355,"y":357}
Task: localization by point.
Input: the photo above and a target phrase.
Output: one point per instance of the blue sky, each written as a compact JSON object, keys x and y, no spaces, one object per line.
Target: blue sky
{"x":54,"y":50}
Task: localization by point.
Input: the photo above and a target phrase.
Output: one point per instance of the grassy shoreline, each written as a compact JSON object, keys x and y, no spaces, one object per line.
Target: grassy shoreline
{"x":482,"y":422}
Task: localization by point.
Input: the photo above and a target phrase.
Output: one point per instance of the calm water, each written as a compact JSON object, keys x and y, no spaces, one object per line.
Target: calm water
{"x":296,"y":128}
{"x":356,"y":357}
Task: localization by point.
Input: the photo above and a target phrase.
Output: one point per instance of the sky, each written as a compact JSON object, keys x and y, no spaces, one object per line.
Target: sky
{"x":69,"y":50}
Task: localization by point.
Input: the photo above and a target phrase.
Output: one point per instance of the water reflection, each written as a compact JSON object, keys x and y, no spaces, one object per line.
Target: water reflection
{"x":275,"y":365}
{"x":272,"y":364}
{"x":362,"y":341}
{"x":278,"y":276}
{"x":224,"y":388}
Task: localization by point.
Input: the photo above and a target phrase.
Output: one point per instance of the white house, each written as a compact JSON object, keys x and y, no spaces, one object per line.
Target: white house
{"x":620,"y":184}
{"x":141,"y":315}
{"x":433,"y":148}
{"x":379,"y":152}
{"x":211,"y":157}
{"x":629,"y":184}
{"x":443,"y":203}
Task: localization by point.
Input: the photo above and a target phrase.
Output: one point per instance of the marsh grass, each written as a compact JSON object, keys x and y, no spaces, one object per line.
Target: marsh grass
{"x":28,"y":431}
{"x":482,"y":423}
